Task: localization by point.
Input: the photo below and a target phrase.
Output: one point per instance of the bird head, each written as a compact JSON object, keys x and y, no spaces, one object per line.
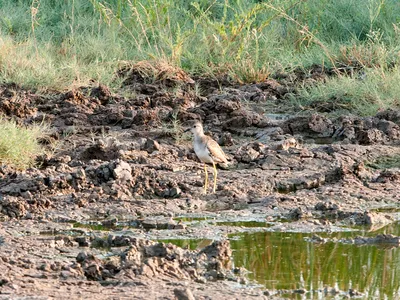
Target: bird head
{"x":196,"y":128}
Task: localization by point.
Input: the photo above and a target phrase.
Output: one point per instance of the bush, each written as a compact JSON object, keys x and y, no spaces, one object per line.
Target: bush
{"x":19,"y":145}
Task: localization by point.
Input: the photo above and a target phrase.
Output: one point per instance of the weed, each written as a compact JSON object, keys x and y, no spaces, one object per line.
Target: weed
{"x":385,"y":162}
{"x":175,"y":129}
{"x":366,"y":95}
{"x":19,"y":145}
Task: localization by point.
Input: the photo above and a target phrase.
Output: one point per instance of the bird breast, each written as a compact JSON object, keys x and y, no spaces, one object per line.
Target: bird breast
{"x":202,"y":152}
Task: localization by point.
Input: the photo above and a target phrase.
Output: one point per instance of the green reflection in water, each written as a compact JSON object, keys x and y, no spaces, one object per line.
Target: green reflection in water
{"x":281,"y":260}
{"x":191,"y":244}
{"x":98,"y":226}
{"x":243,"y":224}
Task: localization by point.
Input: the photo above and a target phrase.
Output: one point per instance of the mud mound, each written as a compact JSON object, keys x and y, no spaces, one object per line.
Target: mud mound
{"x":16,"y":102}
{"x":152,"y":259}
{"x":157,"y":72}
{"x":355,"y":130}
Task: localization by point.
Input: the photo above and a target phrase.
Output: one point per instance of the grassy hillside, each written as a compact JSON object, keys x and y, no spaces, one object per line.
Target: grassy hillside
{"x":59,"y":44}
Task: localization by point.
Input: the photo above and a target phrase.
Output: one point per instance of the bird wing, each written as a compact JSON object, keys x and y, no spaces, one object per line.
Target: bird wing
{"x":216,"y":152}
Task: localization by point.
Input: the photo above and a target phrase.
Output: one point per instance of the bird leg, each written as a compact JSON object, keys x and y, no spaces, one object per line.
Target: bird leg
{"x":215,"y":177}
{"x":206,"y":178}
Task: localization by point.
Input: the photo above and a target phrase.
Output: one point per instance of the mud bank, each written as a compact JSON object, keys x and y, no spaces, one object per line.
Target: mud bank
{"x":122,"y":159}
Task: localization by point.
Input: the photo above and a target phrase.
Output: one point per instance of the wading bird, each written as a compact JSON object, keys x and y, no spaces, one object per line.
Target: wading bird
{"x":208,"y":151}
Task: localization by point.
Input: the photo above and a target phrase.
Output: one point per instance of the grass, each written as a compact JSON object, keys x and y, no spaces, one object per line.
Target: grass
{"x":374,"y":91}
{"x":385,"y":162}
{"x":19,"y":145}
{"x":51,"y":44}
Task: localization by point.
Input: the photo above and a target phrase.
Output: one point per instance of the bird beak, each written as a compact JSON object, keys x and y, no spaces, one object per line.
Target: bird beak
{"x":187,"y":130}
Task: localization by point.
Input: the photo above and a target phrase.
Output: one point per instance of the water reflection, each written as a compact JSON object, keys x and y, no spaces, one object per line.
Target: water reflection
{"x":288,"y":261}
{"x":281,"y":260}
{"x":243,"y":223}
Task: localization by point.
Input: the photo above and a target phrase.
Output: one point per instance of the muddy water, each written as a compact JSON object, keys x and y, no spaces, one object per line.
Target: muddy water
{"x":287,"y":261}
{"x":284,"y":262}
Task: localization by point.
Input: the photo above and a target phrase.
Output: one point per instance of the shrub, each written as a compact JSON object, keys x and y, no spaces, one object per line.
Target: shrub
{"x":19,"y":145}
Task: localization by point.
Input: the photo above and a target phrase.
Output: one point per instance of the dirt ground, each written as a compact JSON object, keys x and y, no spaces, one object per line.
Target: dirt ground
{"x":122,"y":158}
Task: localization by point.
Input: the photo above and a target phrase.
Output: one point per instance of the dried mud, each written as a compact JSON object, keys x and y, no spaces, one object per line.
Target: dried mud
{"x":122,"y":158}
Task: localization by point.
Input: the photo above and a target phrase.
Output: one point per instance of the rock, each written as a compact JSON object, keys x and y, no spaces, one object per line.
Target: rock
{"x":371,"y":219}
{"x":226,"y":140}
{"x":105,"y":150}
{"x":82,"y":241}
{"x":302,"y":182}
{"x":219,"y":250}
{"x":390,"y":115}
{"x":371,"y":136}
{"x":249,"y":155}
{"x":267,"y":293}
{"x":81,"y":257}
{"x":159,"y":249}
{"x":175,"y":192}
{"x":250,"y":152}
{"x":316,"y":125}
{"x":183,"y":294}
{"x":153,"y":224}
{"x":93,"y":272}
{"x":121,"y":170}
{"x":13,"y":207}
{"x":243,"y":118}
{"x":145,"y":116}
{"x":154,"y":259}
{"x":323,"y":206}
{"x":391,"y":175}
{"x":224,"y":105}
{"x":391,"y":129}
{"x":285,"y":144}
{"x":296,"y":214}
{"x":151,"y":145}
{"x":101,"y":92}
{"x":65,"y":274}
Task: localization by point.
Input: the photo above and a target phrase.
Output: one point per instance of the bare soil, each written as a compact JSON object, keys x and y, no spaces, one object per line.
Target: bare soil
{"x":122,"y":158}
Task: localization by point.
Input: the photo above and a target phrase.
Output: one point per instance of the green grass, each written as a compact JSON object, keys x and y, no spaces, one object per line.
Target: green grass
{"x":385,"y":162}
{"x":376,"y":90}
{"x":19,"y":145}
{"x":60,"y":44}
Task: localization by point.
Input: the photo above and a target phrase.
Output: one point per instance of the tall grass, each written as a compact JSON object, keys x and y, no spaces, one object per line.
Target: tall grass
{"x":368,"y":94}
{"x":19,"y":145}
{"x":56,"y":44}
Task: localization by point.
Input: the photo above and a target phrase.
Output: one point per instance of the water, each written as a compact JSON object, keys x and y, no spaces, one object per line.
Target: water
{"x":281,"y":261}
{"x":248,"y":224}
{"x":287,"y":261}
{"x":192,"y":219}
{"x":107,"y":226}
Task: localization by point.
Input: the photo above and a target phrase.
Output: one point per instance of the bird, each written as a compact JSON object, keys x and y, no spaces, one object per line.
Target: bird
{"x":208,"y":151}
